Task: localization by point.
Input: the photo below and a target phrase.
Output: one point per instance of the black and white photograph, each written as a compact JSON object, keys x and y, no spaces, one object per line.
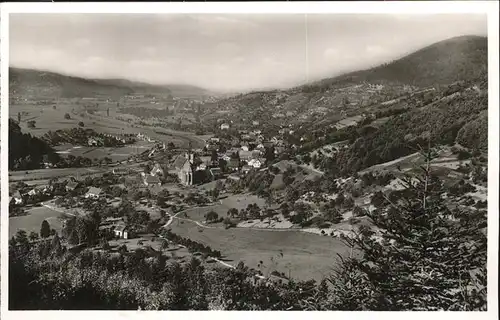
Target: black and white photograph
{"x":250,"y":161}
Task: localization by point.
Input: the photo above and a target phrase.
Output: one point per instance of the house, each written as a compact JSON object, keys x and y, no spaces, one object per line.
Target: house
{"x":216,"y":173}
{"x":201,"y":167}
{"x":33,"y":192}
{"x":122,"y":231}
{"x":224,"y":126}
{"x":17,"y":197}
{"x":72,"y":185}
{"x":244,"y":147}
{"x":206,"y":160}
{"x":120,"y":171}
{"x":93,"y":193}
{"x":214,"y":139}
{"x":246,"y":168}
{"x":152,"y":181}
{"x":233,"y":164}
{"x":157,"y":170}
{"x":255,"y":123}
{"x":255,"y":163}
{"x":183,"y":168}
{"x":226,"y":157}
{"x":245,"y":155}
{"x":233,"y":177}
{"x":92,"y":142}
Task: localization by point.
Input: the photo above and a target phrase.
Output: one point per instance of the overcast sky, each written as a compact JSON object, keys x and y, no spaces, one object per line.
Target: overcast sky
{"x":223,"y":52}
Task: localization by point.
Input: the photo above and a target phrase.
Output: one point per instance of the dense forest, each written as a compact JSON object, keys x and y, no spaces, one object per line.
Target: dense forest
{"x":27,"y":152}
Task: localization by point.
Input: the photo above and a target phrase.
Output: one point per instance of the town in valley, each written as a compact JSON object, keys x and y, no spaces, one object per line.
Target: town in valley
{"x":358,"y":191}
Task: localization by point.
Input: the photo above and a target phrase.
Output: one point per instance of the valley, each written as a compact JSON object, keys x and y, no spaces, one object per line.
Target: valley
{"x":280,"y":186}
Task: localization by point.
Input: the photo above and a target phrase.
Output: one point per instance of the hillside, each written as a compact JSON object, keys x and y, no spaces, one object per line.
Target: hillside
{"x":440,"y":64}
{"x":34,"y":84}
{"x":176,"y":90}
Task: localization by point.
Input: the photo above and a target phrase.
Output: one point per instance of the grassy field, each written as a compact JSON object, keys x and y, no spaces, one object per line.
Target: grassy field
{"x":305,"y":256}
{"x":116,"y":154}
{"x":48,"y":118}
{"x":241,"y":201}
{"x":44,"y":174}
{"x":33,"y":220}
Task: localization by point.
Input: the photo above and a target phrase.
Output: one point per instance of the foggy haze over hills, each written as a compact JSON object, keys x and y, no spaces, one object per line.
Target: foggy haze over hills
{"x":224,"y":52}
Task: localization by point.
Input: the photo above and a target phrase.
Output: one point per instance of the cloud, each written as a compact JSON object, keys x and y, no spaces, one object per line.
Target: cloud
{"x":81,"y":42}
{"x":331,"y":53}
{"x":223,"y":51}
{"x":375,"y":50}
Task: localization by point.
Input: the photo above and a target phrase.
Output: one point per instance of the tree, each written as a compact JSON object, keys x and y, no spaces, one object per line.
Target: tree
{"x":45,"y":229}
{"x":67,"y":116}
{"x":377,"y":199}
{"x":348,"y":203}
{"x":429,"y":257}
{"x":19,"y":117}
{"x":33,"y":236}
{"x":81,"y":124}
{"x":211,"y":216}
{"x":233,"y":212}
{"x":32,"y":124}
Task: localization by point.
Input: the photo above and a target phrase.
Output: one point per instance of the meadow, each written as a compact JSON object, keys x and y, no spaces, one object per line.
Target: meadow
{"x":33,"y":220}
{"x":300,"y":255}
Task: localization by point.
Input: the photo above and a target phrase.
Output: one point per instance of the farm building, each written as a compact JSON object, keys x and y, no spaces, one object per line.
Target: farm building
{"x":17,"y":198}
{"x":120,"y":171}
{"x":246,"y":168}
{"x":72,"y":185}
{"x":216,"y":173}
{"x":224,"y":126}
{"x":150,"y":180}
{"x":233,"y":164}
{"x":93,"y":193}
{"x":256,"y":163}
{"x":157,"y":170}
{"x":122,"y":232}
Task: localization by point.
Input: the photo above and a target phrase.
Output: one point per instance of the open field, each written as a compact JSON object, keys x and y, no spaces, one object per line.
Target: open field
{"x":305,"y":255}
{"x":48,"y":118}
{"x":241,"y":201}
{"x":33,"y":220}
{"x":116,"y":154}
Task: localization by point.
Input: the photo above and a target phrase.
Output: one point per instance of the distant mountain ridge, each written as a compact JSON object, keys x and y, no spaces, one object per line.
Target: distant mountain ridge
{"x":29,"y":83}
{"x":441,"y":63}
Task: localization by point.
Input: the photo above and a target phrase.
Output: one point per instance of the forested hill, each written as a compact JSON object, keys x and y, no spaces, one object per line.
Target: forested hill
{"x":25,"y":151}
{"x":442,"y":63}
{"x":457,"y":59}
{"x":35,"y":84}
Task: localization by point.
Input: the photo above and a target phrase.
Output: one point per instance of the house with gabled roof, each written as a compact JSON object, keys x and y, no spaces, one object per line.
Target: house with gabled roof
{"x":93,"y":193}
{"x":17,"y":198}
{"x":233,"y":164}
{"x":152,"y":181}
{"x":72,"y":185}
{"x":122,"y":231}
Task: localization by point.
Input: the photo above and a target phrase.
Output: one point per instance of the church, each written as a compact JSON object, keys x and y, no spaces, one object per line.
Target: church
{"x":183,"y":166}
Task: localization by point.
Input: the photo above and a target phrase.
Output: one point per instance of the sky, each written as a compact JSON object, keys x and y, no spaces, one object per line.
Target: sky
{"x":231,"y":52}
